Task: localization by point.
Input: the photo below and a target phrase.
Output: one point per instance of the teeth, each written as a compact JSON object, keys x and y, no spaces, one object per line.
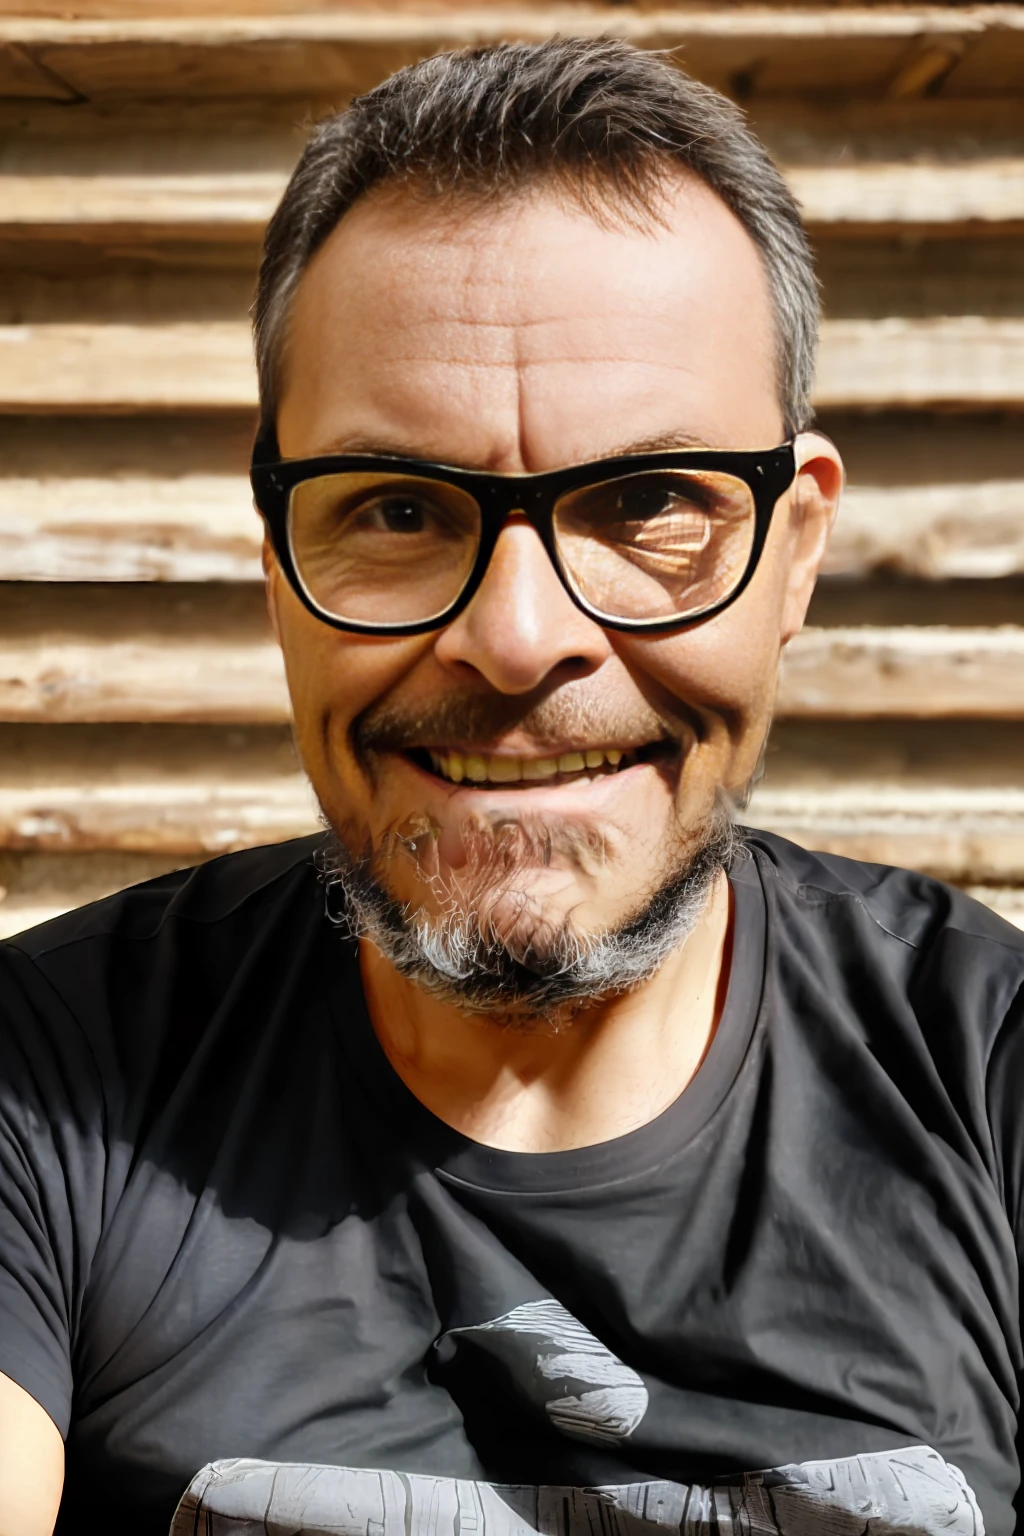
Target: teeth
{"x":504,"y":770}
{"x":514,"y":770}
{"x":540,"y":767}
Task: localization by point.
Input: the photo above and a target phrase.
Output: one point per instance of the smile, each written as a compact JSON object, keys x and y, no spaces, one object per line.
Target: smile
{"x":568,"y":767}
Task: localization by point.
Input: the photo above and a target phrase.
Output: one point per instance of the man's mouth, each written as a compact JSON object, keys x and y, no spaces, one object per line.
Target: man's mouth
{"x":567,"y":767}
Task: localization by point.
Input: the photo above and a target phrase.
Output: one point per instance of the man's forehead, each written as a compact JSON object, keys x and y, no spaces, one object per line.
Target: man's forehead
{"x":534,"y":260}
{"x":656,"y":333}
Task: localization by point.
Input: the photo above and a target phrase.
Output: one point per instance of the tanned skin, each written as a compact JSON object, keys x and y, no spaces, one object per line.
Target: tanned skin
{"x":527,"y":337}
{"x":523,"y":337}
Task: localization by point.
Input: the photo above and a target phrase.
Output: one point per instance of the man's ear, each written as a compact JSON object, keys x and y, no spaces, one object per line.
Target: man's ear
{"x":813,"y":504}
{"x":271,"y":580}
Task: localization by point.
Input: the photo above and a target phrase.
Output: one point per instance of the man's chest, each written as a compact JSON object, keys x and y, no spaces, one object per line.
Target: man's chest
{"x":440,"y":1340}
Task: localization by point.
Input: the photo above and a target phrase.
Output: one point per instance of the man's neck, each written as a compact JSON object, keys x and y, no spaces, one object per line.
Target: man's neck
{"x":613,"y":1068}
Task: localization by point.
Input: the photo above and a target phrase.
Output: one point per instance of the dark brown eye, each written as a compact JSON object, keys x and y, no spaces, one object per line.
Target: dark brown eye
{"x":401,"y":514}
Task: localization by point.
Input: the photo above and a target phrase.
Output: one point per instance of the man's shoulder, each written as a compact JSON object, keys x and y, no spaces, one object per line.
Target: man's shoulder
{"x":117,"y":988}
{"x":208,"y":895}
{"x":915,"y":910}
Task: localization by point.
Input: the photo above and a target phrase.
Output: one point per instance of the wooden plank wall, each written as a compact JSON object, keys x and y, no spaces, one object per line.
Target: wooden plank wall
{"x":143,"y":719}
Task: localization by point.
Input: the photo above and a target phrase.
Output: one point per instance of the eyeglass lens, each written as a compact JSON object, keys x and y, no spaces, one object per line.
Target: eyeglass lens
{"x":378,"y":549}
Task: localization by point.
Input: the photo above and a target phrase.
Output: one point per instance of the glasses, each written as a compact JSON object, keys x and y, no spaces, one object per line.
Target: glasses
{"x":392,"y":546}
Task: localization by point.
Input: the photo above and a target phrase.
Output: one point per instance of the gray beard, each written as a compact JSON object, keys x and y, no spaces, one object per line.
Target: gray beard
{"x":544,"y":973}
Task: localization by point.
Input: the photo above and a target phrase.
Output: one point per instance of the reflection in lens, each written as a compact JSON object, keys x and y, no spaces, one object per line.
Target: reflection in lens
{"x":377,"y":549}
{"x":658,"y":545}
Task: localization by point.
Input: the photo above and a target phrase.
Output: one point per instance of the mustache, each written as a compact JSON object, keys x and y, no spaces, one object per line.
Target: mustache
{"x":476,"y":718}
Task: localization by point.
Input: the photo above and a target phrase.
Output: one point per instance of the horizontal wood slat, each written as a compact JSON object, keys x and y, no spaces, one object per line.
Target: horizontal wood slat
{"x":236,"y":204}
{"x":949,"y":803}
{"x":215,"y":25}
{"x":906,"y":50}
{"x":231,"y":204}
{"x":204,"y":679}
{"x":905,"y":194}
{"x":191,"y":817}
{"x":181,"y":366}
{"x":140,"y":156}
{"x":129,"y":528}
{"x":962,"y":360}
{"x":22,"y":78}
{"x":956,"y":833}
{"x":926,"y":672}
{"x":202,"y":527}
{"x":931,"y":532}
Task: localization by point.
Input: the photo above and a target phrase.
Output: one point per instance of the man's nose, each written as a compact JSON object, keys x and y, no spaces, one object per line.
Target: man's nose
{"x":521,"y":625}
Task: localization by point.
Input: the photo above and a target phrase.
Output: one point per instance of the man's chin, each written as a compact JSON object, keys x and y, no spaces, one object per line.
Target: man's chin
{"x":537,"y":923}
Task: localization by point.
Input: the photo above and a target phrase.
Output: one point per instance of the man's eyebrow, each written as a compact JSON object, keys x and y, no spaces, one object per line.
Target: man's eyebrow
{"x":660,"y":442}
{"x":369,"y":445}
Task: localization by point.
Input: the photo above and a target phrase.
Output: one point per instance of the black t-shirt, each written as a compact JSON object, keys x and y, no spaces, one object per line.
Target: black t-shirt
{"x":229,"y":1234}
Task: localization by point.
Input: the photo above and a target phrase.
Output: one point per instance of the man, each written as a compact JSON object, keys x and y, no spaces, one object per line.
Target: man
{"x":536,"y":1150}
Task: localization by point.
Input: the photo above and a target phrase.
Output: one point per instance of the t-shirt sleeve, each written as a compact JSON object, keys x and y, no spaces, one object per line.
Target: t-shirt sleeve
{"x":51,"y":1177}
{"x":1005,"y":1084}
{"x":1005,"y":1091}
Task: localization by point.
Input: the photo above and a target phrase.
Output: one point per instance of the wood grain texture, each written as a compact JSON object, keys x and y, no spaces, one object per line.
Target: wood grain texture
{"x":899,"y":194}
{"x":199,"y":678}
{"x":148,"y":172}
{"x":932,"y":532}
{"x":850,"y":673}
{"x":140,"y":156}
{"x":948,"y":361}
{"x":950,"y":831}
{"x":948,"y":803}
{"x":23,"y":78}
{"x":202,"y":527}
{"x":188,"y":365}
{"x":104,"y":204}
{"x":114,"y":367}
{"x":774,"y":49}
{"x":192,"y":817}
{"x":192,"y":527}
{"x":910,"y":672}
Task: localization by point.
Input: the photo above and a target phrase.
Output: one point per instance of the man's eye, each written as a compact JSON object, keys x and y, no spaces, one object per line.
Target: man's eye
{"x":652,"y":499}
{"x":397,"y":514}
{"x":639,"y":502}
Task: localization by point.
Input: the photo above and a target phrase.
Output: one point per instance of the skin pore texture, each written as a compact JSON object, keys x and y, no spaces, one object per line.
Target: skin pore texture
{"x":519,"y":336}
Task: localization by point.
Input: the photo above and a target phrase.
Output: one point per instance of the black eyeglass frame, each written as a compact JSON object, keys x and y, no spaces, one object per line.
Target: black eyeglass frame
{"x":767,"y":473}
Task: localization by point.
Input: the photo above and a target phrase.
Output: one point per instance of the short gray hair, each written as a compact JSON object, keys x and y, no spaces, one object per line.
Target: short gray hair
{"x":599,"y":116}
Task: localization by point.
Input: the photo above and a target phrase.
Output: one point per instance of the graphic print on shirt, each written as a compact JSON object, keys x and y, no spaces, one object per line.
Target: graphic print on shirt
{"x":557,"y":1363}
{"x":911,"y":1492}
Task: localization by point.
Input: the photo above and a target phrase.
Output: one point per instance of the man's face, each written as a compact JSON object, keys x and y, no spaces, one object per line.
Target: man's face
{"x":523,"y":337}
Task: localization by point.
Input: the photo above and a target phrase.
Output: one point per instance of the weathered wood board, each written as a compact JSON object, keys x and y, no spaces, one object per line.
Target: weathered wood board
{"x":143,"y":714}
{"x":189,"y":365}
